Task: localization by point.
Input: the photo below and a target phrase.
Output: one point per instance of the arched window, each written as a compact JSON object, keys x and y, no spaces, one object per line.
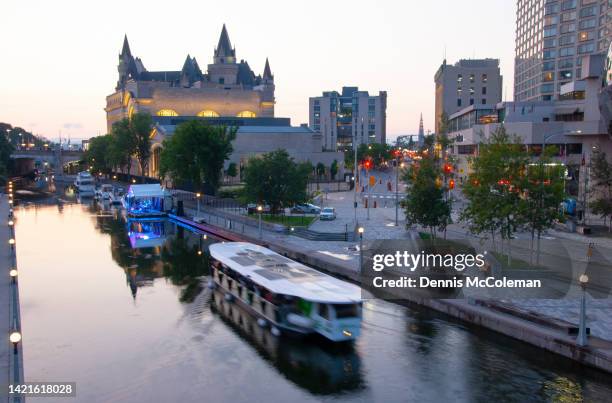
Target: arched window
{"x":167,"y":112}
{"x":246,"y":114}
{"x":208,"y":114}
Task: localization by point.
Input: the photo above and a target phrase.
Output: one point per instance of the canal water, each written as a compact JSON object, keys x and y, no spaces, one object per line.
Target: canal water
{"x":121,"y":308}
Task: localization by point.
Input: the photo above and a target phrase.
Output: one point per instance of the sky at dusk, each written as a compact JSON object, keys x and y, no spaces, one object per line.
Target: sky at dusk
{"x":59,"y":58}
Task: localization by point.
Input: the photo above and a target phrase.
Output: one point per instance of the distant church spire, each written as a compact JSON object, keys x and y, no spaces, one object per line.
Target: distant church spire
{"x":267,"y":74}
{"x":125,"y":51}
{"x":224,"y":53}
{"x":421,"y":137}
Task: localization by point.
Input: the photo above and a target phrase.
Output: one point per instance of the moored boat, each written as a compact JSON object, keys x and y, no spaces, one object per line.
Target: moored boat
{"x":285,"y":294}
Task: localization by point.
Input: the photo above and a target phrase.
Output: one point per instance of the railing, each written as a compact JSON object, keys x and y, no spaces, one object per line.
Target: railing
{"x":16,"y":357}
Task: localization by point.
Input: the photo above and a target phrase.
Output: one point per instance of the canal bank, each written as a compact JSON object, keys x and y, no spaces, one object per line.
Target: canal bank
{"x":540,"y":331}
{"x":11,"y":355}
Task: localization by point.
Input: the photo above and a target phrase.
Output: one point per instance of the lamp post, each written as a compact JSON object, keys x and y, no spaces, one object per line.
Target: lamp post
{"x":15,"y":338}
{"x":581,"y":340}
{"x":259,"y":211}
{"x":13,"y":273}
{"x":355,"y":167}
{"x":361,"y":231}
{"x":198,"y":195}
{"x":397,"y":166}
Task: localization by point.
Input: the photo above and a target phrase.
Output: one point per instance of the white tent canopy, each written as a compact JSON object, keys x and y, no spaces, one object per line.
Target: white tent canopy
{"x":150,"y":190}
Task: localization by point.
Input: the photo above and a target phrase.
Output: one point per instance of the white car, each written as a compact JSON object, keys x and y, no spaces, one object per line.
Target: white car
{"x":328,"y":213}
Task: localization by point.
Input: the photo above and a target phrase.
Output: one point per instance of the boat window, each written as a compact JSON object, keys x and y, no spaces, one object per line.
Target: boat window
{"x":323,"y":311}
{"x":346,"y":311}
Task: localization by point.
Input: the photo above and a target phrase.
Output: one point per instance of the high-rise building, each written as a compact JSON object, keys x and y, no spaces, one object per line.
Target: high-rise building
{"x":352,"y":114}
{"x":552,"y":36}
{"x":467,"y":82}
{"x":230,"y":88}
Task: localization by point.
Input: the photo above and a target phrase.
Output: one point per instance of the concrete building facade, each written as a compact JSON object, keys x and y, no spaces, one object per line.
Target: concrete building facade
{"x":573,"y":124}
{"x":552,"y":36}
{"x":352,"y":114}
{"x":230,"y":88}
{"x":467,"y":82}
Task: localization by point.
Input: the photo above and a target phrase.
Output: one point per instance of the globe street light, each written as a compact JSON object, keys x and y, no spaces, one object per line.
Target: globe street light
{"x":13,"y":273}
{"x":582,"y":336}
{"x":361,"y":230}
{"x":15,"y":338}
{"x":259,"y":211}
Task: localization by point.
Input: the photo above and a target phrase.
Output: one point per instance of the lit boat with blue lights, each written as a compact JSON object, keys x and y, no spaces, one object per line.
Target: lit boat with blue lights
{"x":150,"y":200}
{"x":286,"y":295}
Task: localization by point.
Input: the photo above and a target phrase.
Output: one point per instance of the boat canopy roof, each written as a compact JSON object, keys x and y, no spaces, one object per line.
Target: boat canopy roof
{"x":150,"y":190}
{"x":282,"y":275}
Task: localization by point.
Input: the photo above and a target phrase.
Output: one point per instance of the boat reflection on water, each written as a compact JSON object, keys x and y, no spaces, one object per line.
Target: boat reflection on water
{"x":146,"y":233}
{"x":314,"y":364}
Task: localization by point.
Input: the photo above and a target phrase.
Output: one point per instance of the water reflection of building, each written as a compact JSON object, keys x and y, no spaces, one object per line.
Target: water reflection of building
{"x":319,"y":368}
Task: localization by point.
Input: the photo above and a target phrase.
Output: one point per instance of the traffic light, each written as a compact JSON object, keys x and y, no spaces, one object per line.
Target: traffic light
{"x":368,"y":164}
{"x":451,"y":184}
{"x":448,"y":168}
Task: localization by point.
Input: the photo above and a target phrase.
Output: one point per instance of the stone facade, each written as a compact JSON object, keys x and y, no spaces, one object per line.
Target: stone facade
{"x":229,"y":89}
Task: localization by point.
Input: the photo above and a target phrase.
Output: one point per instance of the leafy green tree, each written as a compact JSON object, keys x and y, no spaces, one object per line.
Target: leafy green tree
{"x":544,"y":192}
{"x":493,"y":188}
{"x":320,"y":169}
{"x":141,"y":125}
{"x":426,"y":203}
{"x":99,"y":156}
{"x":123,"y":145}
{"x":601,"y":177}
{"x":196,"y":153}
{"x":333,"y":169}
{"x":6,"y":148}
{"x":276,"y":179}
{"x":232,"y":170}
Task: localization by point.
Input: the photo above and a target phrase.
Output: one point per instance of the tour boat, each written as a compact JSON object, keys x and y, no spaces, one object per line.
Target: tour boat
{"x":84,"y":184}
{"x":284,"y":294}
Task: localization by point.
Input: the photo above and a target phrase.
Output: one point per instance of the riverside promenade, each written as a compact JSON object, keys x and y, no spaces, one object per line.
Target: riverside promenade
{"x":11,"y":356}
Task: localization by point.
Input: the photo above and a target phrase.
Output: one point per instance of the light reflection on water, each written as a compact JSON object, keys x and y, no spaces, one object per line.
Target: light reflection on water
{"x":120,"y":308}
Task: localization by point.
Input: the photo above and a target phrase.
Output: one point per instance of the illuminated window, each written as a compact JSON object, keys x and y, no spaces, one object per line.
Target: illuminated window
{"x":208,"y":114}
{"x":167,"y":112}
{"x":246,"y":114}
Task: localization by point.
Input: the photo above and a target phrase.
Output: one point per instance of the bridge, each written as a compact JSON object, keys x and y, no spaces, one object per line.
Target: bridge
{"x":28,"y":160}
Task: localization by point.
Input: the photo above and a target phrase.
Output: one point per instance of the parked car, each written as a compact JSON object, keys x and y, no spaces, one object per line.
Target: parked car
{"x":306,"y":208}
{"x":328,"y":213}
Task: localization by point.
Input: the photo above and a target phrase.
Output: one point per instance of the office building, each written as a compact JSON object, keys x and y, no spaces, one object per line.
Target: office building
{"x":467,"y":82}
{"x":551,"y":39}
{"x":351,"y":114}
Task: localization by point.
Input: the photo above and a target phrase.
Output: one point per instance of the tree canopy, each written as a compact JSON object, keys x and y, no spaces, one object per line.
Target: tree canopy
{"x":196,"y":153}
{"x":276,"y":179}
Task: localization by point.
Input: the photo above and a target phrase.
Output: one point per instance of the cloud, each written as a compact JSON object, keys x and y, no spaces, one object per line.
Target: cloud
{"x":72,"y":125}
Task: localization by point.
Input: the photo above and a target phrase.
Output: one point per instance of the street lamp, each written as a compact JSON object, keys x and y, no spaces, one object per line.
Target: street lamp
{"x":397,"y":167}
{"x":13,"y":273}
{"x":582,"y":336}
{"x":15,"y":338}
{"x":361,"y":231}
{"x":198,"y":195}
{"x":259,"y":211}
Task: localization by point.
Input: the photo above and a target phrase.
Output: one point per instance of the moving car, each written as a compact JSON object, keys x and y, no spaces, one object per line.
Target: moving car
{"x":328,"y":213}
{"x":252,"y":208}
{"x":306,"y":208}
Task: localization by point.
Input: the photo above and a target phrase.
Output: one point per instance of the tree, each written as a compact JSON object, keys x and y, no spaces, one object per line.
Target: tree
{"x":123,"y":145}
{"x":276,"y":179}
{"x":493,"y":188}
{"x":320,"y":169}
{"x":140,"y":129}
{"x":232,"y":170}
{"x":544,"y":183}
{"x":333,"y":169}
{"x":99,"y":155}
{"x":601,"y":174}
{"x":6,"y":149}
{"x":196,"y":153}
{"x":426,"y":203}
